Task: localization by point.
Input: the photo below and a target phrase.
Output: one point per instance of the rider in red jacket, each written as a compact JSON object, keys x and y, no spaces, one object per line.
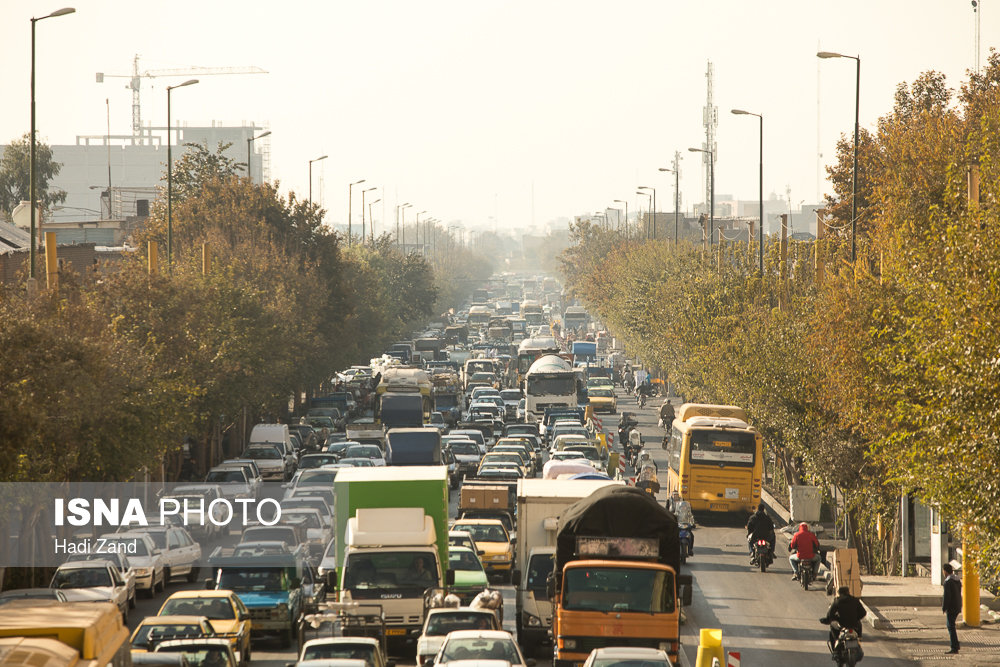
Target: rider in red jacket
{"x":804,"y":546}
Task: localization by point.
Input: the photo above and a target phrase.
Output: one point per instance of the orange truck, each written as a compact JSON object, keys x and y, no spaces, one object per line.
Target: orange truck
{"x":615,"y":577}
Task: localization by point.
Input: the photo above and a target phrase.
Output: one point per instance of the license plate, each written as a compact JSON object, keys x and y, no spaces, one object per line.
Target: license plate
{"x":718,"y":506}
{"x":395,"y":632}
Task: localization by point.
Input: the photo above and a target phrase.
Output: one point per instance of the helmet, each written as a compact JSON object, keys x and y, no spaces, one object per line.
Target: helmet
{"x":803,"y":526}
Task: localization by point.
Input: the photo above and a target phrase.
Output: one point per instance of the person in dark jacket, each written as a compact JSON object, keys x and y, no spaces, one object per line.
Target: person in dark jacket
{"x":952,"y":604}
{"x":760,"y":527}
{"x":846,"y":610}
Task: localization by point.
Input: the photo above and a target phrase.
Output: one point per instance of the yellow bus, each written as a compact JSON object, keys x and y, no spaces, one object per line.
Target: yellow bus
{"x":715,"y":458}
{"x":80,"y":634}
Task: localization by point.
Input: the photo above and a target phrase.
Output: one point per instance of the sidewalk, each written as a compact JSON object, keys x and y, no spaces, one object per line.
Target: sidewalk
{"x":905,"y":613}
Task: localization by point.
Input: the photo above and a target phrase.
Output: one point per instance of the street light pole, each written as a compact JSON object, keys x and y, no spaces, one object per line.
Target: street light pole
{"x":677,"y":194}
{"x":760,"y":192}
{"x":650,"y":204}
{"x":854,"y":176}
{"x":250,"y":141}
{"x":32,"y":192}
{"x":170,"y":177}
{"x":323,"y":157}
{"x":653,"y":227}
{"x":402,"y":215}
{"x":350,"y":193}
{"x":622,"y":201}
{"x":711,"y":191}
{"x":363,"y":211}
{"x":371,"y":220}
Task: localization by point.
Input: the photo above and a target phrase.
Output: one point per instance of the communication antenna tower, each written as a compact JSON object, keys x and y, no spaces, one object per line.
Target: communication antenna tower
{"x":711,"y":120}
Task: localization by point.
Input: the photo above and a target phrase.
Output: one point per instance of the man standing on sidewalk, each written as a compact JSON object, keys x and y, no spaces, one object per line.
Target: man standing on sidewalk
{"x":952,"y":604}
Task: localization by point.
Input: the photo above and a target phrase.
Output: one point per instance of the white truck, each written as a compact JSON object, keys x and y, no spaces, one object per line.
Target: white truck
{"x":539,"y":504}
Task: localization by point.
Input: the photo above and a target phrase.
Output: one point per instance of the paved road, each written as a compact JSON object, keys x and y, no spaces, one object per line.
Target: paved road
{"x":767,"y":617}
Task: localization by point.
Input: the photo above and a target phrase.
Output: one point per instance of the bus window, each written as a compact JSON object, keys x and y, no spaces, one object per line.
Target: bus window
{"x":724,"y":448}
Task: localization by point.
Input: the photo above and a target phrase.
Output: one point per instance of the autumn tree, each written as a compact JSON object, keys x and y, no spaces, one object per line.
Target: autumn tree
{"x":15,"y":176}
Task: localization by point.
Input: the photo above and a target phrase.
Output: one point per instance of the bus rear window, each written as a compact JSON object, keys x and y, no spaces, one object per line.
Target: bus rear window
{"x":725,"y":448}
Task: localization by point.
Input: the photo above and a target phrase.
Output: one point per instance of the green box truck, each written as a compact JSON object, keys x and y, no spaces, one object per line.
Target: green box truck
{"x":392,"y":540}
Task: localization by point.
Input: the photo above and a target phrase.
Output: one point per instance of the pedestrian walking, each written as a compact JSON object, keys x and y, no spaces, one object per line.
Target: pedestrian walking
{"x":952,"y":604}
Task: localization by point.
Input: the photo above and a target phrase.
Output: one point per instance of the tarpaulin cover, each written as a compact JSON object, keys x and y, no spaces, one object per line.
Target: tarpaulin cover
{"x":617,"y":511}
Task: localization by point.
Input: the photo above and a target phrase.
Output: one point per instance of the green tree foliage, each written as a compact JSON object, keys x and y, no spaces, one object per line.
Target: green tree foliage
{"x":15,"y":176}
{"x":884,"y":379}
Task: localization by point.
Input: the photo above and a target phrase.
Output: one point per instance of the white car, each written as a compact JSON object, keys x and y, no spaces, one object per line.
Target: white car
{"x":320,"y":478}
{"x":150,"y":575}
{"x":441,"y":621}
{"x":180,"y":552}
{"x":481,"y":645}
{"x":372,"y":452}
{"x":627,"y":655}
{"x":233,"y":482}
{"x":345,"y":649}
{"x":318,"y":533}
{"x":92,"y":581}
{"x":121,"y":562}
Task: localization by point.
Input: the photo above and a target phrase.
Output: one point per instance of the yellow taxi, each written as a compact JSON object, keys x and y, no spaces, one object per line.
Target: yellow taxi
{"x":602,"y":399}
{"x":493,"y":539}
{"x":224,"y":610}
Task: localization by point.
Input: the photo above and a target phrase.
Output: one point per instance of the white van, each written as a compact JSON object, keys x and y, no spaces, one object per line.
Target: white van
{"x":275,"y":434}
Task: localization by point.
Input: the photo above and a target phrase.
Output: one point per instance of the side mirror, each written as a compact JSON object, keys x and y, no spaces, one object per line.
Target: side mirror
{"x":450,"y":578}
{"x":530,"y":662}
{"x":480,"y":552}
{"x":550,"y":587}
{"x":209,"y":584}
{"x":295,"y":582}
{"x":515,"y":577}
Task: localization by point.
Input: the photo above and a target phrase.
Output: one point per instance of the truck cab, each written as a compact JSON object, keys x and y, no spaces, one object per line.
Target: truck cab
{"x":277,"y":588}
{"x":392,"y":558}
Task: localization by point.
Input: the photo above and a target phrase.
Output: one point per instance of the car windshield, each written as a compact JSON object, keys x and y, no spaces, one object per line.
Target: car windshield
{"x":363,"y":452}
{"x":627,"y":662}
{"x":256,"y":579}
{"x":139,"y":548}
{"x":340,"y":651}
{"x":442,"y":623}
{"x":473,"y":648}
{"x":201,"y":656}
{"x":539,"y":569}
{"x":464,"y":560}
{"x":369,"y":575}
{"x":82,"y":578}
{"x":600,"y":393}
{"x":510,"y":395}
{"x":588,"y":451}
{"x":213,"y":608}
{"x":618,"y":590}
{"x":467,"y":447}
{"x":316,"y":460}
{"x":222,"y":476}
{"x":321,"y":477}
{"x":262,"y":453}
{"x":485,"y":532}
{"x":147,"y":634}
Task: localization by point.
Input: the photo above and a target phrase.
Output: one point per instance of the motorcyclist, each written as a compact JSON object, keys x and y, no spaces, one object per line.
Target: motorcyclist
{"x":682,"y":511}
{"x":804,"y":546}
{"x":666,"y":414}
{"x":760,"y":527}
{"x":848,"y":611}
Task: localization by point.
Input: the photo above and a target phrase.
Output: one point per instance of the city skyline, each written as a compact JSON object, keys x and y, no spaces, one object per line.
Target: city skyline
{"x":496,"y":114}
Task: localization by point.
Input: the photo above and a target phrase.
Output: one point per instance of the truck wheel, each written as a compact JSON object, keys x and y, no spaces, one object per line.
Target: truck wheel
{"x":286,"y":638}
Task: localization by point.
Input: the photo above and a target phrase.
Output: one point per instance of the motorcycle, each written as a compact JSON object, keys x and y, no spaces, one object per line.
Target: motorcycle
{"x":807,"y":573}
{"x":847,"y":650}
{"x":685,"y":540}
{"x":761,"y":556}
{"x":641,"y":399}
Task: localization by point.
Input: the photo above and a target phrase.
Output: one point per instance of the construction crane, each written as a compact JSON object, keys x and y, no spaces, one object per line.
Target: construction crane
{"x":136,"y":76}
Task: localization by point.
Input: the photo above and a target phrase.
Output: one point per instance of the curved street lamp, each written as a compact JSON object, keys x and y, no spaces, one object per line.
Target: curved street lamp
{"x":170,"y":176}
{"x":760,"y":192}
{"x":854,"y":176}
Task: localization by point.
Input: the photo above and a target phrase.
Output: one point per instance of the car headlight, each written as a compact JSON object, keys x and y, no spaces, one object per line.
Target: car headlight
{"x":665,"y":646}
{"x":569,"y":644}
{"x":142,"y":571}
{"x":533,"y":621}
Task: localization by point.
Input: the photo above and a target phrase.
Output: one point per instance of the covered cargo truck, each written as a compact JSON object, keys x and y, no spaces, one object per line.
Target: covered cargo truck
{"x":615,"y":576}
{"x":540,"y":503}
{"x":377,"y":550}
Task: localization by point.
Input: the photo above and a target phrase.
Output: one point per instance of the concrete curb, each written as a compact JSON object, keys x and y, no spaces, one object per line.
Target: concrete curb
{"x":775,"y":506}
{"x":874,"y":618}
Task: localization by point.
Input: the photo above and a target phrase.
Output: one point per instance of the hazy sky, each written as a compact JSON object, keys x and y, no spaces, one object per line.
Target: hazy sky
{"x":463,"y":107}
